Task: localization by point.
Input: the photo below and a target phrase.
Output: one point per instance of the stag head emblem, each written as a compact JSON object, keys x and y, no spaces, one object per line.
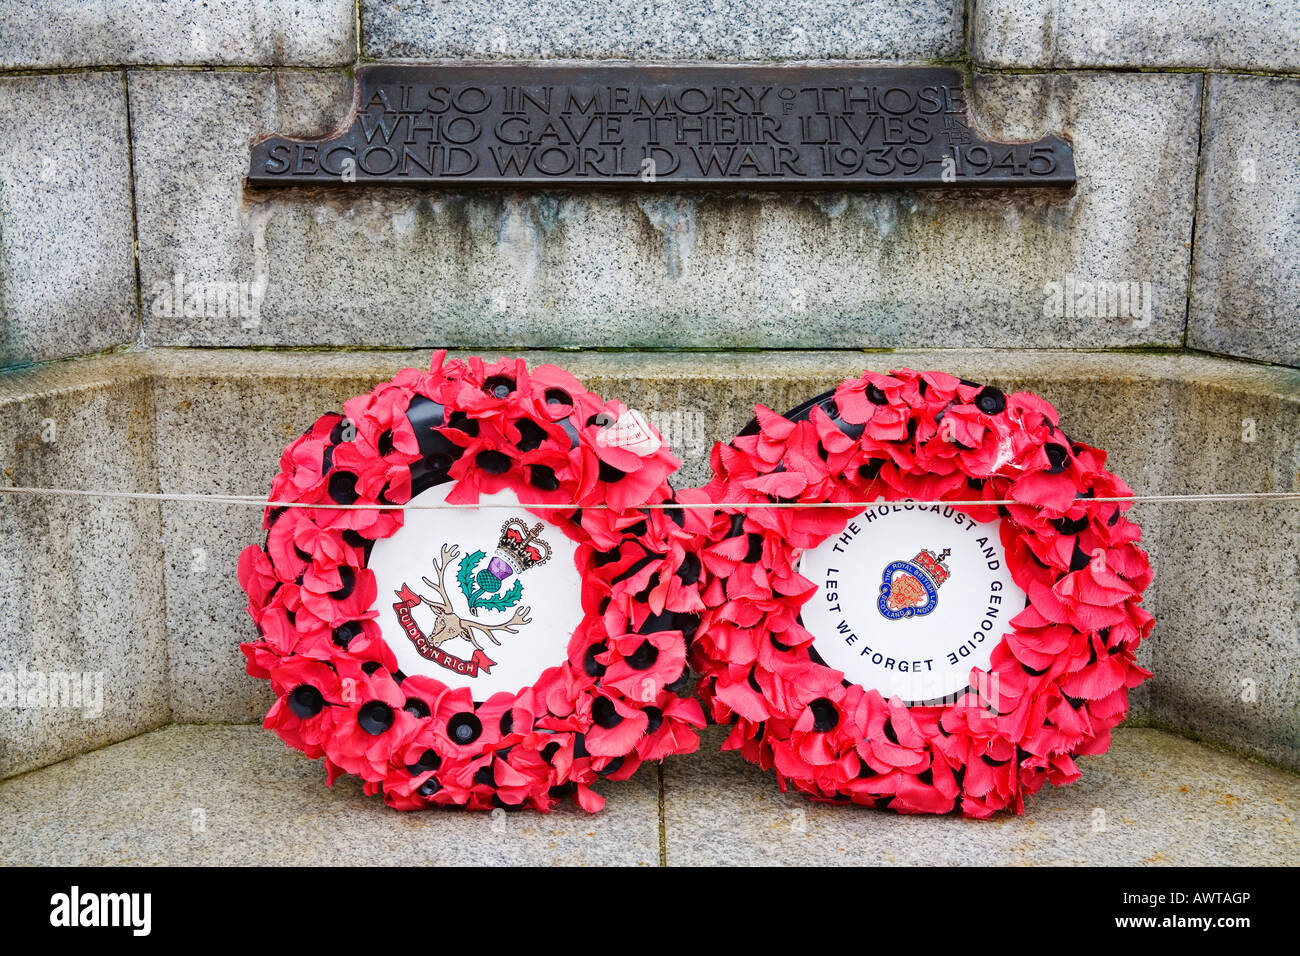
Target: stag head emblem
{"x":448,"y":624}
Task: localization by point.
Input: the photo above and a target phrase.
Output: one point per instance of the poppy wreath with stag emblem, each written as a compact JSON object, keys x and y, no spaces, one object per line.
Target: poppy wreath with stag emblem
{"x":1060,"y":666}
{"x":611,"y":702}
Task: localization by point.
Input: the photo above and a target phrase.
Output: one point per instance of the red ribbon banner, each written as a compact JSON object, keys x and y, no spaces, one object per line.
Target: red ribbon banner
{"x":410,"y":600}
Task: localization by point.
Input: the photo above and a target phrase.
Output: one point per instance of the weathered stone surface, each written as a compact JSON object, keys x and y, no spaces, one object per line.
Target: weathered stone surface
{"x":80,"y":581}
{"x":237,"y":795}
{"x":203,"y":251}
{"x":388,"y":267}
{"x":1229,"y":641}
{"x":245,"y":406}
{"x":224,"y":417}
{"x":1224,"y":593}
{"x":1246,"y":275}
{"x":665,"y":30}
{"x":1252,"y":34}
{"x":69,"y":33}
{"x":1152,"y":799}
{"x":67,"y":271}
{"x":221,"y":432}
{"x":190,"y":795}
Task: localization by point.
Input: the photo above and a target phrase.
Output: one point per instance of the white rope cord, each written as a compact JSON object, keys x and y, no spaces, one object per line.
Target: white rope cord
{"x":1244,"y":497}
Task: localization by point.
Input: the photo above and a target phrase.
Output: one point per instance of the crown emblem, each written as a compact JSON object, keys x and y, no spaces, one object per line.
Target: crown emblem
{"x":911,"y":588}
{"x":518,"y":549}
{"x":934,"y":567}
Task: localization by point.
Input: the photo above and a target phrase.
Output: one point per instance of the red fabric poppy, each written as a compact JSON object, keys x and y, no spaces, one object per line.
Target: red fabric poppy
{"x":612,"y":704}
{"x":1062,"y":670}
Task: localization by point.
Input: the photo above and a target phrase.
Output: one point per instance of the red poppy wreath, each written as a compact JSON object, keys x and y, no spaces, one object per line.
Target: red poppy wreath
{"x":926,"y":658}
{"x":496,"y":654}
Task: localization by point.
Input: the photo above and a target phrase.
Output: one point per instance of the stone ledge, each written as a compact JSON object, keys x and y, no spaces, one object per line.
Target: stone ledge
{"x":1163,"y":800}
{"x":55,"y":378}
{"x":234,"y":795}
{"x":1171,"y":421}
{"x":139,"y":802}
{"x":1119,"y":366}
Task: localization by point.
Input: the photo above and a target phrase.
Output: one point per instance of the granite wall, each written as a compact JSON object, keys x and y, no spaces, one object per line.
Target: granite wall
{"x":124,"y":134}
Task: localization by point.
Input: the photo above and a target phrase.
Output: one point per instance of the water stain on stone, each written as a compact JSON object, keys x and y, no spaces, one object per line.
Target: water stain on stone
{"x":832,"y":205}
{"x":519,"y":240}
{"x":673,"y":217}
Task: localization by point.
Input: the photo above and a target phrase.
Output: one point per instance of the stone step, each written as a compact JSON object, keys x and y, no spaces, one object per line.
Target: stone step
{"x":234,"y":795}
{"x":144,"y":594}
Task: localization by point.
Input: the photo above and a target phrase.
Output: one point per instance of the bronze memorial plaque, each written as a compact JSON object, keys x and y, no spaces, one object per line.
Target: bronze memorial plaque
{"x":647,"y":126}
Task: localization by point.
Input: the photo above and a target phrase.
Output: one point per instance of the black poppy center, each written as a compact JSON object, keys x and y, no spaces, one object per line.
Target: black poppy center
{"x":825,"y":716}
{"x":347,"y":581}
{"x":654,"y":719}
{"x":531,"y":434}
{"x":1058,"y":455}
{"x":543,"y":477}
{"x":604,"y":713}
{"x":643,"y":657}
{"x":343,"y":487}
{"x":306,"y":701}
{"x":499,"y":386}
{"x":689,"y":571}
{"x":416,"y":708}
{"x":428,"y":761}
{"x":990,"y":401}
{"x":590,"y":666}
{"x":344,"y":634}
{"x":493,"y":462}
{"x":464,"y":728}
{"x":375,"y":717}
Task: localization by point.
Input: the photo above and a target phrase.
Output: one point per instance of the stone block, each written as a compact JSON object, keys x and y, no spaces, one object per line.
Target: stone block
{"x":84,"y":659}
{"x":54,"y":34}
{"x":1228,"y":646}
{"x":67,"y":268}
{"x":1247,"y":34}
{"x":664,"y":30}
{"x":204,"y":260}
{"x":487,"y":269}
{"x":1245,"y":274}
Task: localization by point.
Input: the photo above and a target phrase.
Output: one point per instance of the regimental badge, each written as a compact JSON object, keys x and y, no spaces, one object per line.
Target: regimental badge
{"x":518,"y":549}
{"x":911,"y":588}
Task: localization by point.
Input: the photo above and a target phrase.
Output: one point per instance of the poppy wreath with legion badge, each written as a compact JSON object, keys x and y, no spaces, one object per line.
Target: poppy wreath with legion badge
{"x":501,"y":653}
{"x":929,"y":659}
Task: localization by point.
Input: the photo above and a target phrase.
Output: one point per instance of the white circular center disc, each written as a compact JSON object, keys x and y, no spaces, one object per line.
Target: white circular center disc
{"x":909,"y":599}
{"x":446,"y":613}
